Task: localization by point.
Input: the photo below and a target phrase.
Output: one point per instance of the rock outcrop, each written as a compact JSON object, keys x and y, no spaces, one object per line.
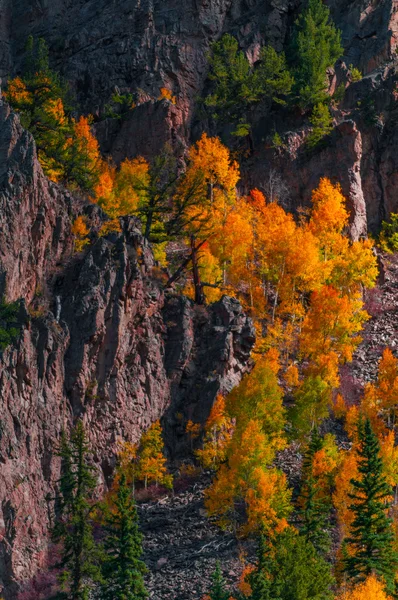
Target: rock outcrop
{"x":141,"y":45}
{"x":99,"y":340}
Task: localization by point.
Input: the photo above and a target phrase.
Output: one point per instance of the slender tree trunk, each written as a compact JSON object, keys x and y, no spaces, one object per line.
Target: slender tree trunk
{"x":149,"y":219}
{"x":199,"y":295}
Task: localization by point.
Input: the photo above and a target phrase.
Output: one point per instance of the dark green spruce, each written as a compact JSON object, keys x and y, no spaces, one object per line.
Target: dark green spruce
{"x":123,"y":568}
{"x":369,"y":549}
{"x":73,"y":530}
{"x":289,"y":568}
{"x":314,"y":507}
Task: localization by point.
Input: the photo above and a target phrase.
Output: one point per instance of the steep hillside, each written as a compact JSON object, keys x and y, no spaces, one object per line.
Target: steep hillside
{"x":142,"y":46}
{"x":99,"y":338}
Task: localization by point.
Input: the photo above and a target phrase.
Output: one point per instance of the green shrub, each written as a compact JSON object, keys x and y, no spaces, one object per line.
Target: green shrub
{"x":10,"y":327}
{"x":389,"y":234}
{"x":119,"y":106}
{"x":355,"y":73}
{"x":321,"y":121}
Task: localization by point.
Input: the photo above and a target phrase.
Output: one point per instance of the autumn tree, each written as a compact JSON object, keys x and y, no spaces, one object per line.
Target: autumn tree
{"x":370,"y":589}
{"x":370,"y":543}
{"x":218,"y":433}
{"x":67,"y":150}
{"x":203,"y":198}
{"x":80,"y":555}
{"x":122,"y":567}
{"x":81,"y":232}
{"x":151,"y":466}
{"x":316,"y":47}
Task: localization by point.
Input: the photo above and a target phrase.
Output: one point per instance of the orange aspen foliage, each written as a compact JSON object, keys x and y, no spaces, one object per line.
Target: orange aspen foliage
{"x":87,"y":140}
{"x":166,"y":94}
{"x":218,"y":433}
{"x":292,"y":376}
{"x":371,"y":589}
{"x":106,"y":181}
{"x":339,"y":407}
{"x":17,"y":93}
{"x":244,"y":586}
{"x":329,"y":331}
{"x":256,"y":199}
{"x":348,"y":470}
{"x":119,"y":192}
{"x":80,"y":230}
{"x":329,"y":215}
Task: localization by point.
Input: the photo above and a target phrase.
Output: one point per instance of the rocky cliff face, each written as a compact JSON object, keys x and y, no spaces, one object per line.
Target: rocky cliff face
{"x":142,"y":45}
{"x":99,"y":339}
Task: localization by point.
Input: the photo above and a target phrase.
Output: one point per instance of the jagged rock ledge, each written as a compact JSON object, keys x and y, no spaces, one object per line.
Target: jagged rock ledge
{"x":100,"y":339}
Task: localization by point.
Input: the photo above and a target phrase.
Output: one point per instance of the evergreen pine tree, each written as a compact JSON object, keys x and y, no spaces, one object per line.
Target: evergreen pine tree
{"x":73,"y":527}
{"x":122,"y":569}
{"x":289,"y":568}
{"x":369,"y":548}
{"x":314,"y":506}
{"x":218,"y":590}
{"x":316,"y":46}
{"x":259,"y":582}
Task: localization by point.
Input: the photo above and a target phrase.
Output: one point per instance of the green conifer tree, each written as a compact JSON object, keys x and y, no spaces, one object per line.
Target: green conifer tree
{"x":289,"y":568}
{"x":258,"y":579}
{"x":315,"y":508}
{"x":369,"y":548}
{"x":218,"y":590}
{"x":73,"y":528}
{"x":316,"y":46}
{"x":123,"y":569}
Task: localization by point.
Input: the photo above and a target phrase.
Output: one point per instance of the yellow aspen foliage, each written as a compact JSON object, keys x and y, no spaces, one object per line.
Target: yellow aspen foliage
{"x":259,"y":397}
{"x":81,"y":232}
{"x":120,"y":191}
{"x":331,"y":324}
{"x":193,"y":431}
{"x":247,"y":479}
{"x":111,"y":226}
{"x":218,"y":432}
{"x":389,"y":455}
{"x":387,"y":386}
{"x":370,"y":589}
{"x":152,"y":462}
{"x":213,"y":159}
